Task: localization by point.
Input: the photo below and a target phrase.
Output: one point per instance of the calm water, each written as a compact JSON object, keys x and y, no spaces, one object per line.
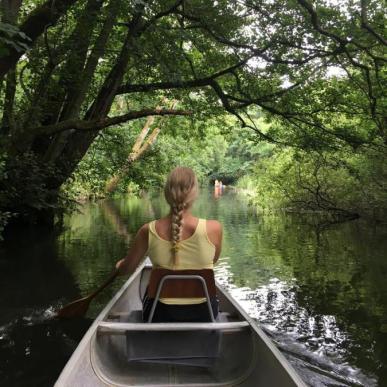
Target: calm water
{"x":319,"y":292}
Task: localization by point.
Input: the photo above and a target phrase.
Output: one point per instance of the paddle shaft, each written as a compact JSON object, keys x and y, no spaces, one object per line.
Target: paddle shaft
{"x":111,"y":278}
{"x":79,"y":307}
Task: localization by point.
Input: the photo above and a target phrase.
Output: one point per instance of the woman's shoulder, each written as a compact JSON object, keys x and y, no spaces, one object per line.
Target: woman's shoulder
{"x":151,"y":225}
{"x":213,"y":226}
{"x":144,"y":228}
{"x":214,"y":232}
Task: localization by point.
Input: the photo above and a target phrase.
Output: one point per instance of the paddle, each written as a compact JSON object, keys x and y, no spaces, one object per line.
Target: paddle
{"x":79,"y":307}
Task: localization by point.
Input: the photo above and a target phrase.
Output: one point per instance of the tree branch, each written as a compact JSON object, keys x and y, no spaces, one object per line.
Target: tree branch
{"x":95,"y":125}
{"x":45,"y":15}
{"x":199,"y":82}
{"x":316,"y":23}
{"x":366,"y":26}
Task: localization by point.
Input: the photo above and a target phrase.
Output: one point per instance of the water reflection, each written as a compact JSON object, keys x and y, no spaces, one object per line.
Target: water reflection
{"x":313,"y":343}
{"x":320,"y":293}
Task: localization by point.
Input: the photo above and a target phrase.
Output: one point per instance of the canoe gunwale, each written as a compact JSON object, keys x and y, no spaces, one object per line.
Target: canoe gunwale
{"x":86,"y":340}
{"x":262,"y":335}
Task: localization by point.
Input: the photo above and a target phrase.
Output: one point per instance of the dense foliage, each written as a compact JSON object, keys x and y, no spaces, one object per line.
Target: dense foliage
{"x":215,"y":149}
{"x":341,"y":182}
{"x":72,"y":69}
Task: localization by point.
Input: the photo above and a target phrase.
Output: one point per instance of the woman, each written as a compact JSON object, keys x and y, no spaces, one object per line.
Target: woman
{"x":178,"y":241}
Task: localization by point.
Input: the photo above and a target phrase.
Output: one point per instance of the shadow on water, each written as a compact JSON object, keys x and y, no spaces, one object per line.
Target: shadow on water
{"x":33,"y":282}
{"x":34,"y":348}
{"x":41,"y":271}
{"x":319,"y":292}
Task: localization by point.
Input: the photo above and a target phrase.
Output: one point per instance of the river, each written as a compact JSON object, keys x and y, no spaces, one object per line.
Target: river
{"x":319,"y":291}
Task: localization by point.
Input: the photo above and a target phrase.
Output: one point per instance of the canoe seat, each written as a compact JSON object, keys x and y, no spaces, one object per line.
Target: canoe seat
{"x":189,"y":344}
{"x":184,"y":285}
{"x":165,"y":283}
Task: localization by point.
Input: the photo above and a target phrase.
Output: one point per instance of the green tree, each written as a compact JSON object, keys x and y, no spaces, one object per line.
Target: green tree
{"x":233,"y":55}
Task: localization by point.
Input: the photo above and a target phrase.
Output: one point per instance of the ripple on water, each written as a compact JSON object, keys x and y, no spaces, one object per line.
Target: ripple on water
{"x":312,"y":343}
{"x":31,"y":341}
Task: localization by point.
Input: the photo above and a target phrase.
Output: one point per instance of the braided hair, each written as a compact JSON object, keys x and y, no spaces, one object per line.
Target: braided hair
{"x":181,"y":189}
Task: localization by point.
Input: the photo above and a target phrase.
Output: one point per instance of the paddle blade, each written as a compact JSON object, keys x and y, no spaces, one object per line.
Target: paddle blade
{"x":76,"y":308}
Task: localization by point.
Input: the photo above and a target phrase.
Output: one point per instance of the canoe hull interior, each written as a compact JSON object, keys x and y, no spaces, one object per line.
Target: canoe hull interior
{"x":120,"y":350}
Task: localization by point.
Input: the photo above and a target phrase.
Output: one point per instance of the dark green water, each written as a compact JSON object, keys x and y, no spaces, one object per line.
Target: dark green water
{"x":319,"y":292}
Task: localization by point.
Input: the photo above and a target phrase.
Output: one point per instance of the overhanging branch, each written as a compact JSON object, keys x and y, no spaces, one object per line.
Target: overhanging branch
{"x":95,"y":125}
{"x":199,"y":82}
{"x":366,"y":26}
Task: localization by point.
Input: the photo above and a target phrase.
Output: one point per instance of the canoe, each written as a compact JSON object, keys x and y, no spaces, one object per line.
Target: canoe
{"x":121,"y":350}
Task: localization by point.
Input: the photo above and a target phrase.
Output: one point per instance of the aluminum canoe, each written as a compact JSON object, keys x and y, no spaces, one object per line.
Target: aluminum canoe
{"x":120,"y":350}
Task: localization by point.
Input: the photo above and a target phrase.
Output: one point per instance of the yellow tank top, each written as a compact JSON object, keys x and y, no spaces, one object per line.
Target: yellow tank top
{"x":195,"y":252}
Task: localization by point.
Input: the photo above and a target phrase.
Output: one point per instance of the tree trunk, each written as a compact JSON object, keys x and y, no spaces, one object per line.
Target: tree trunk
{"x":8,"y":121}
{"x":71,"y":75}
{"x":37,"y":21}
{"x":10,"y":10}
{"x":139,"y":148}
{"x":77,"y":95}
{"x":79,"y":142}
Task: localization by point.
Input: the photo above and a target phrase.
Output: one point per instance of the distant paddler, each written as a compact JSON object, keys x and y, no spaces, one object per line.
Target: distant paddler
{"x":217,"y":188}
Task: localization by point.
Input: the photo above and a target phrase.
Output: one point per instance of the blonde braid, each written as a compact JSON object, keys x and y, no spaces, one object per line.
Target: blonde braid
{"x":181,"y":189}
{"x":177,"y":228}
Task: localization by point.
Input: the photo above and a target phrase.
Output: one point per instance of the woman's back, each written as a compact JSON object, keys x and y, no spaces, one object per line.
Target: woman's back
{"x":195,"y":249}
{"x":179,"y":241}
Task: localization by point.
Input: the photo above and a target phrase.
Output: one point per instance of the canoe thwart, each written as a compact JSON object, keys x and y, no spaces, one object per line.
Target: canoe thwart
{"x":123,"y":327}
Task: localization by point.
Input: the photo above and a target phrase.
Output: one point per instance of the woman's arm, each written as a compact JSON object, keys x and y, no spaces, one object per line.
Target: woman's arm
{"x":215,"y":235}
{"x":136,"y":252}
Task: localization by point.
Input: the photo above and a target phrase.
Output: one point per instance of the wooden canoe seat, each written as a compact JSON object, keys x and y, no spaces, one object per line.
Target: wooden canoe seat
{"x":184,"y":287}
